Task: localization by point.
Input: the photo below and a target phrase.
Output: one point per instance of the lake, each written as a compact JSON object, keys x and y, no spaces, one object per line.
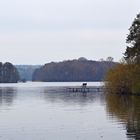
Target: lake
{"x":28,"y":111}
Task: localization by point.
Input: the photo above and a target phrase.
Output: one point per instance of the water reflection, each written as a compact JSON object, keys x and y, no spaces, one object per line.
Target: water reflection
{"x":127,"y":110}
{"x":7,"y":95}
{"x":72,"y":98}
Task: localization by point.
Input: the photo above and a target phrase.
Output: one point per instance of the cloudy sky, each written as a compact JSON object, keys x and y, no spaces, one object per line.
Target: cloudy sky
{"x":40,"y":31}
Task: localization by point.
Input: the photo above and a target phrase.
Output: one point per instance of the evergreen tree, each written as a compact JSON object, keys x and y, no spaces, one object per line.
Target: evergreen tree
{"x":132,"y":53}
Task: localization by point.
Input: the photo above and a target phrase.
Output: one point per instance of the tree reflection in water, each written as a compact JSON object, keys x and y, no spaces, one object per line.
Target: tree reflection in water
{"x":127,"y":110}
{"x":7,"y":95}
{"x":72,"y":98}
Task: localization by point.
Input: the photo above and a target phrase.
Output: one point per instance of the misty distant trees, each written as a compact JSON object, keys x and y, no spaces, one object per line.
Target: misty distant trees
{"x":26,"y":71}
{"x":73,"y":70}
{"x":8,"y":73}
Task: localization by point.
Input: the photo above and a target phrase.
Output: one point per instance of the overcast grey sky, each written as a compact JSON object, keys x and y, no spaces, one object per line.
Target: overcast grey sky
{"x":40,"y":31}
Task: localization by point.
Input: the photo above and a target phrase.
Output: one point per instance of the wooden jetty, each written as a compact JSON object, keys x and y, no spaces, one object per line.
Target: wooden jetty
{"x":86,"y":89}
{"x":76,"y":89}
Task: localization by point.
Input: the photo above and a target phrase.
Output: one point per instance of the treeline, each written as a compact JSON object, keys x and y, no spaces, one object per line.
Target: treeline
{"x":73,"y":70}
{"x":8,"y":73}
{"x":125,"y":77}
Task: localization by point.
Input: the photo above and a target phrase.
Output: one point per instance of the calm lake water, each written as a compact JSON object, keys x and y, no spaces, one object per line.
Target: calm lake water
{"x":29,"y":111}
